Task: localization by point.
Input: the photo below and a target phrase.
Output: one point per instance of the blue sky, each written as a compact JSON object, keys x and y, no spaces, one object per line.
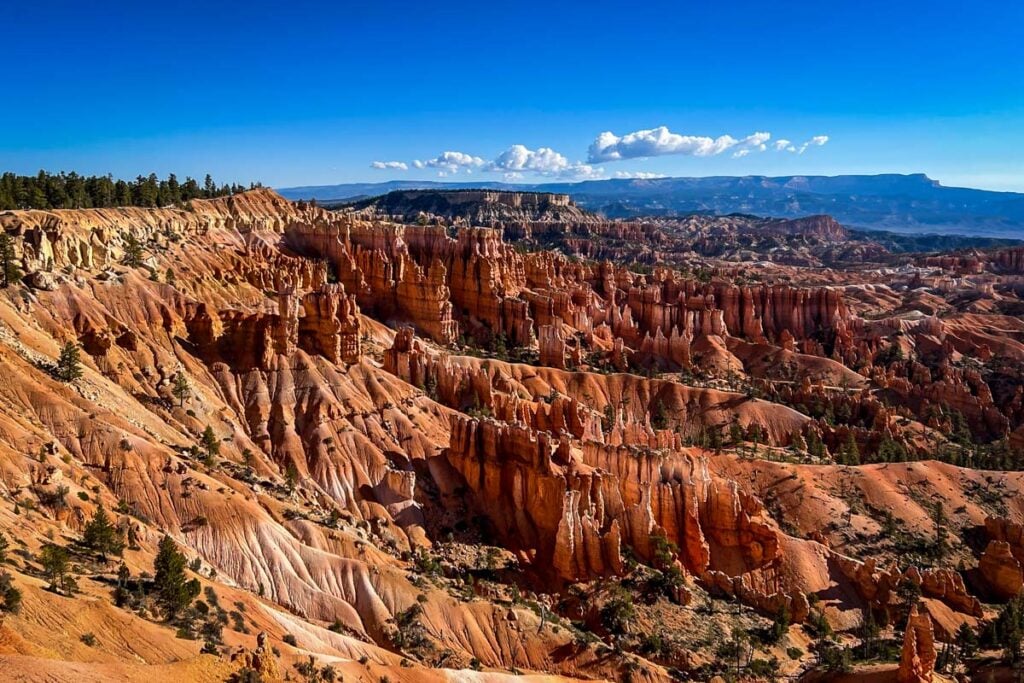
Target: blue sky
{"x":313,"y":93}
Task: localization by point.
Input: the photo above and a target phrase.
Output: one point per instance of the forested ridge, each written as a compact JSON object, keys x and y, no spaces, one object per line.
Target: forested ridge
{"x":73,"y":191}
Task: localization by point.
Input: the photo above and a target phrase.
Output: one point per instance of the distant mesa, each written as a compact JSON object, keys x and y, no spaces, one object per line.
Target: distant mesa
{"x":911,"y":203}
{"x":478,"y":207}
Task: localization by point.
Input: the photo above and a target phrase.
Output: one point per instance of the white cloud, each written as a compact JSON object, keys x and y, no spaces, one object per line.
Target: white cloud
{"x":518,"y":161}
{"x":661,"y":141}
{"x":583,"y":172}
{"x":391,"y":165}
{"x":757,"y":141}
{"x":542,"y":161}
{"x":788,"y":146}
{"x":638,"y":175}
{"x":520,"y":158}
{"x":450,"y":162}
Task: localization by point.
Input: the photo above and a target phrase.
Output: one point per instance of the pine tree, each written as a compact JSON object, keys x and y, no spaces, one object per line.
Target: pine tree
{"x":69,"y":365}
{"x":869,"y":632}
{"x":211,"y":444}
{"x":10,"y":273}
{"x":54,"y":561}
{"x":181,"y":389}
{"x":815,"y":447}
{"x":291,"y":476}
{"x":797,"y":443}
{"x":4,"y":545}
{"x":11,"y":603}
{"x":849,"y":454}
{"x":101,"y":536}
{"x":132,"y":251}
{"x":967,"y":640}
{"x":174,"y":591}
{"x":735,"y":433}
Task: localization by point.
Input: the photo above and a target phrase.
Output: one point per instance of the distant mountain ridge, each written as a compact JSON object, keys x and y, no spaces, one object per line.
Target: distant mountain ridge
{"x":902,"y":203}
{"x":477,"y":206}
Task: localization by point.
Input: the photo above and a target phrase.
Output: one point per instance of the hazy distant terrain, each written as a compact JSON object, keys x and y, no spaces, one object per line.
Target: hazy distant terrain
{"x":902,"y":203}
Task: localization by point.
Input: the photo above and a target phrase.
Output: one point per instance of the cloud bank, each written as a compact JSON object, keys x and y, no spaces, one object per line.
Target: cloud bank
{"x":661,"y":141}
{"x":519,"y":161}
{"x":451,"y":162}
{"x":544,"y":161}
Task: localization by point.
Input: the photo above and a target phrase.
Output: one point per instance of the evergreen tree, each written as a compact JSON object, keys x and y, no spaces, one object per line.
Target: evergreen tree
{"x":181,"y":389}
{"x":174,"y":591}
{"x":122,"y":194}
{"x":10,"y":273}
{"x":735,"y":433}
{"x":4,"y":545}
{"x":890,"y":450}
{"x":72,"y":191}
{"x":173,"y":190}
{"x":815,"y":447}
{"x":121,"y":595}
{"x":101,"y":536}
{"x":69,"y":365}
{"x":148,"y":192}
{"x":54,"y":561}
{"x":797,"y":443}
{"x":967,"y":641}
{"x":849,"y":454}
{"x":869,"y":632}
{"x":211,"y":444}
{"x":11,"y":596}
{"x":780,"y":625}
{"x":291,"y":475}
{"x":132,"y":251}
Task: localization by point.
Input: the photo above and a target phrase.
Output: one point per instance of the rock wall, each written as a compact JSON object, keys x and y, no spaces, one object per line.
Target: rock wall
{"x":575,"y":505}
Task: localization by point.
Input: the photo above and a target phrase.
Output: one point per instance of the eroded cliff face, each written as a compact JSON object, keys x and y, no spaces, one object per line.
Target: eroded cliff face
{"x":393,"y":401}
{"x":573,"y":506}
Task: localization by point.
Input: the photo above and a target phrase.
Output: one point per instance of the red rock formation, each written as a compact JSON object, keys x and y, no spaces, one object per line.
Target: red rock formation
{"x":1001,"y":570}
{"x":551,"y":343}
{"x":261,"y":660}
{"x":588,"y":500}
{"x":917,"y":660}
{"x":1009,"y":260}
{"x":1002,"y":563}
{"x":333,"y":471}
{"x":878,"y":585}
{"x":330,"y":326}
